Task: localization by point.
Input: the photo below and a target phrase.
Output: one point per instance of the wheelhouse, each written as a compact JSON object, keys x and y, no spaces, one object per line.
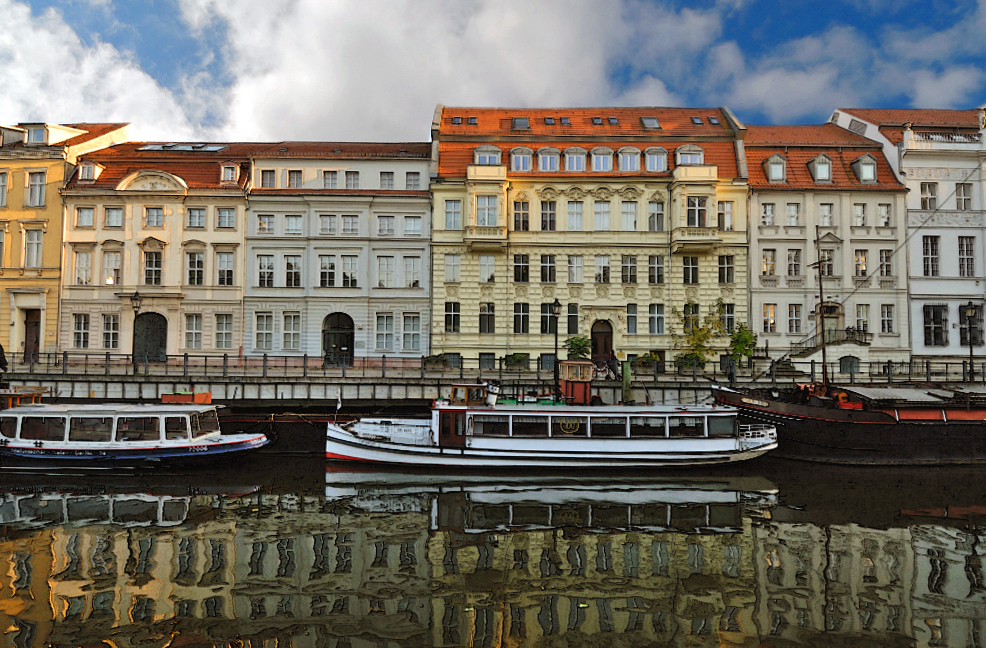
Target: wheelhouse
{"x":125,"y":425}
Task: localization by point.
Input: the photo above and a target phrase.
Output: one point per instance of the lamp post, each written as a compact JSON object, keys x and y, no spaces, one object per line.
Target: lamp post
{"x":970,"y":314}
{"x":555,"y":312}
{"x":135,"y":302}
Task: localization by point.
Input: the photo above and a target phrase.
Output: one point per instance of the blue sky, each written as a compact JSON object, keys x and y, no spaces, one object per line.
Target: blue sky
{"x":375,"y":69}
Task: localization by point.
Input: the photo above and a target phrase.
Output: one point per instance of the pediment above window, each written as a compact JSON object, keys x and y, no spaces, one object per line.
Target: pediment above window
{"x":820,"y":168}
{"x":775,"y":168}
{"x":152,"y":181}
{"x":151,"y":243}
{"x":111,"y":244}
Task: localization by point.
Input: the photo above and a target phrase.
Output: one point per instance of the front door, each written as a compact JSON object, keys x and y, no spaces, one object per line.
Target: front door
{"x":150,"y":338}
{"x":602,"y":341}
{"x":452,"y":429}
{"x":338,"y":340}
{"x":32,"y":334}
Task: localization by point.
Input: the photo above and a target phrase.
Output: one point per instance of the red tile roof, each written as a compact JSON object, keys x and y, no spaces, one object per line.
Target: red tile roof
{"x":799,"y":178}
{"x":809,"y":135}
{"x":891,"y":121}
{"x":344,"y":150}
{"x":384,"y":193}
{"x":92,"y":132}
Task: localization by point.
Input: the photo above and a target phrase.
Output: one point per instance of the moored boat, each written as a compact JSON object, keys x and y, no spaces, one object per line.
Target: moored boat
{"x":875,"y":425}
{"x":471,"y":429}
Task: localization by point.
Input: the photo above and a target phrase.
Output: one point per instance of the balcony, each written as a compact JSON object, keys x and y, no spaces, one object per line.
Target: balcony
{"x":693,"y":239}
{"x":485,"y":237}
{"x":943,"y":140}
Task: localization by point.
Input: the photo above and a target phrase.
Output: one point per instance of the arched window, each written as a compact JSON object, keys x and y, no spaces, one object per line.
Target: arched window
{"x":486,"y":156}
{"x":520,"y":159}
{"x":602,"y":159}
{"x":575,"y":159}
{"x":548,"y":160}
{"x":656,"y":159}
{"x":689,"y":154}
{"x":629,"y":159}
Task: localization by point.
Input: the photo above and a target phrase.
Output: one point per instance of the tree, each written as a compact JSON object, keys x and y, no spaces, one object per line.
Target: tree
{"x":696,"y":341}
{"x":742,"y":342}
{"x":578,"y":347}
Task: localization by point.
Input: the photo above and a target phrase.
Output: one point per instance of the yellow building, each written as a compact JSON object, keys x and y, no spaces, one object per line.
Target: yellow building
{"x":36,"y":160}
{"x":626,"y":220}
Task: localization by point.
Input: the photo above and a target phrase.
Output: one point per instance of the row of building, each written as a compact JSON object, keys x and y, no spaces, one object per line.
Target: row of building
{"x":619,"y":224}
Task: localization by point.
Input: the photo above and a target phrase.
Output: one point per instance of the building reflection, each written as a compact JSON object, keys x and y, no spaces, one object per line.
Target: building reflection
{"x":368,"y":564}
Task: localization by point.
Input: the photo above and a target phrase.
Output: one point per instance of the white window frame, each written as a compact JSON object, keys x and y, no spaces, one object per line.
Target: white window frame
{"x":224,"y":331}
{"x":193,"y":331}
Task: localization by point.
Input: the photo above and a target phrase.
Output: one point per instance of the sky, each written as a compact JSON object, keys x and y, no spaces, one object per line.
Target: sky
{"x":374,"y":70}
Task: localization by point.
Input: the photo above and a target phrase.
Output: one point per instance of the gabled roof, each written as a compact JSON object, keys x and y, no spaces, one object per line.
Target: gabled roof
{"x":808,"y":135}
{"x":92,"y":131}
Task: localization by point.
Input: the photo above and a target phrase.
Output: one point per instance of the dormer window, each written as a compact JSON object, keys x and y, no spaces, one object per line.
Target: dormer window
{"x":520,"y":159}
{"x":487,"y":156}
{"x":575,"y":160}
{"x":613,"y":121}
{"x":549,"y":121}
{"x":229,"y":173}
{"x":602,"y":160}
{"x":521,"y":123}
{"x":650,"y":123}
{"x":473,"y":121}
{"x":821,"y":168}
{"x":689,"y":155}
{"x":629,"y":159}
{"x":597,"y":121}
{"x":776,"y":168}
{"x":548,"y":159}
{"x":697,"y":121}
{"x":36,"y":135}
{"x":713,"y":121}
{"x":457,"y":120}
{"x":656,"y":159}
{"x":87,"y":171}
{"x":565,"y":121}
{"x":865,"y":168}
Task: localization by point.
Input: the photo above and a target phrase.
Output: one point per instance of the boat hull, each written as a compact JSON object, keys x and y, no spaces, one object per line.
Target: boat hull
{"x":53,"y":453}
{"x":860,"y":437}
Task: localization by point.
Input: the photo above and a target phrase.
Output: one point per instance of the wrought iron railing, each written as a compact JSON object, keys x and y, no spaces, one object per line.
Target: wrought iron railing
{"x":841,"y":336}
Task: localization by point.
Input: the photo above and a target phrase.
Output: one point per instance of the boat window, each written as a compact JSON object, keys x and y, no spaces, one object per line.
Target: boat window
{"x":686,"y":426}
{"x":649,"y":515}
{"x":131,"y":511}
{"x":137,"y":428}
{"x":571,"y":514}
{"x":609,"y":426}
{"x":8,"y":426}
{"x":647,"y":426}
{"x":93,"y":430}
{"x":458,"y":396}
{"x":488,"y":516}
{"x":531,"y":514}
{"x":477,"y":396}
{"x":569,"y":426}
{"x":723,"y":515}
{"x":722,"y":426}
{"x":174,"y":510}
{"x":610,"y":516}
{"x":43,"y":428}
{"x":687,"y":517}
{"x":175,"y":428}
{"x":204,"y":423}
{"x":88,"y":509}
{"x":491,"y":425}
{"x":530,"y":426}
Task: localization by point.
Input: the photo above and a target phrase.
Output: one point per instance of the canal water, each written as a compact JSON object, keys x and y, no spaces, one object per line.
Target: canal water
{"x":278,"y":551}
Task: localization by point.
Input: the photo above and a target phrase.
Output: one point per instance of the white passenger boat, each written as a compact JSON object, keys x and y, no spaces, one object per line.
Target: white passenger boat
{"x":118,"y":433}
{"x":471,"y":429}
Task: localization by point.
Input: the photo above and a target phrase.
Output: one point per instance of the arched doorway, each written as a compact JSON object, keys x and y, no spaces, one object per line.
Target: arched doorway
{"x":338,"y":340}
{"x":602,"y":341}
{"x":832,"y":314}
{"x":151,"y":338}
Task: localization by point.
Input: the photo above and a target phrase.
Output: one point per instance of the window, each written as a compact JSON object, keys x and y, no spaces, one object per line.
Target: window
{"x":153,"y":217}
{"x":111,"y":331}
{"x":294,"y":179}
{"x":265,"y":331}
{"x":548,"y":160}
{"x":386,"y":179}
{"x":547,"y":268}
{"x":412,"y":272}
{"x":859,"y":215}
{"x":522,"y":318}
{"x":265,"y":224}
{"x":330,"y":179}
{"x":452,"y":315}
{"x":573,"y":319}
{"x":520,"y":160}
{"x":825,"y":214}
{"x":80,"y":331}
{"x":453,"y":214}
{"x":794,"y":319}
{"x":36,"y":189}
{"x":865,"y":169}
{"x":3,"y":188}
{"x":486,"y":208}
{"x":327,"y":224}
{"x":656,"y":160}
{"x":767,"y":264}
{"x":487,"y":156}
{"x":822,"y":169}
{"x":352,"y":179}
{"x":725,"y":216}
{"x":83,"y":268}
{"x":385,"y":225}
{"x":193,"y":331}
{"x":326,"y":271}
{"x":602,"y":268}
{"x":265,"y":271}
{"x":863,"y":317}
{"x":690,"y":316}
{"x":111,"y":268}
{"x":152,"y":268}
{"x":967,"y":256}
{"x":452,"y":267}
{"x":548,"y":216}
{"x":224,"y":331}
{"x":963,"y":196}
{"x":655,"y":319}
{"x":521,"y":268}
{"x":887,"y":318}
{"x":727,"y":269}
{"x":929,"y":195}
{"x":602,"y":161}
{"x":886,"y":260}
{"x":292,"y":271}
{"x":84,"y":216}
{"x":629,"y":216}
{"x":195,"y":263}
{"x":826,"y":262}
{"x":412,"y":332}
{"x":936,"y":325}
{"x":267,"y":179}
{"x":350,"y":270}
{"x":385,"y":332}
{"x":196,"y":217}
{"x":292,"y":225}
{"x":228,"y":174}
{"x":690,"y":269}
{"x":227,"y":217}
{"x":769,"y":322}
{"x":696,"y":211}
{"x":487,"y":319}
{"x":412,"y":226}
{"x":292,"y":332}
{"x":574,"y":268}
{"x":860,"y":263}
{"x":793,"y":214}
{"x":412,"y":180}
{"x":487,"y":268}
{"x":350,"y":225}
{"x":776,"y":169}
{"x":767,"y":214}
{"x":689,"y":155}
{"x":224,"y":268}
{"x":574,"y":215}
{"x":631,"y":319}
{"x":629,"y":160}
{"x":629,"y":269}
{"x":385,"y":272}
{"x":113,"y":216}
{"x":601,"y":216}
{"x":929,"y":248}
{"x":655,"y":269}
{"x":727,"y":313}
{"x":575,"y":161}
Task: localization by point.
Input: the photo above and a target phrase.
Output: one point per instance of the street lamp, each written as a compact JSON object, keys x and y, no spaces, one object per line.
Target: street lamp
{"x":555,"y":312}
{"x":970,"y":314}
{"x":135,"y":302}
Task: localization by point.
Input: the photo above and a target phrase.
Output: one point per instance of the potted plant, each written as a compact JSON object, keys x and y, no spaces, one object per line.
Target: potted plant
{"x":435,"y":362}
{"x":579,"y":347}
{"x":517,"y":361}
{"x":646,"y":362}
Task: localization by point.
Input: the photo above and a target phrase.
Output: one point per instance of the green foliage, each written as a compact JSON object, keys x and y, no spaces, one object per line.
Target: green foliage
{"x":742,"y":342}
{"x":578,"y":347}
{"x":697,"y":341}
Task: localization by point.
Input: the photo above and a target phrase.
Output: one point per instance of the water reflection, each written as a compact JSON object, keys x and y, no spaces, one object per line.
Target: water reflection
{"x":780,"y":554}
